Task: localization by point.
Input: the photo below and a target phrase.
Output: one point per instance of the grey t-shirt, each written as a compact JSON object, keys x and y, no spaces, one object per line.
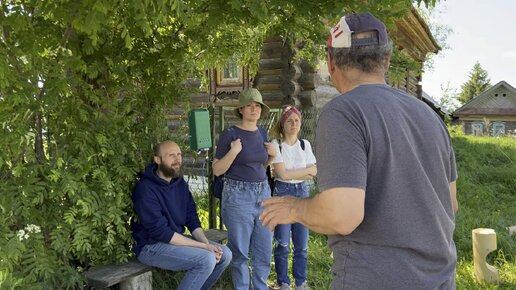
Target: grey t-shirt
{"x":398,"y":150}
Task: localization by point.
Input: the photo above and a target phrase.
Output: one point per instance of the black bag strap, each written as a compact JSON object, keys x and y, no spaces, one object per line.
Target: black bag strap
{"x":301,"y":141}
{"x":264,"y":133}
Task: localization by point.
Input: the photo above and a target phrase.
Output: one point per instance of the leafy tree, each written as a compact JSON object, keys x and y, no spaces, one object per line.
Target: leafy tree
{"x":440,"y":31}
{"x":448,"y":98}
{"x":84,"y":86}
{"x":477,"y":83}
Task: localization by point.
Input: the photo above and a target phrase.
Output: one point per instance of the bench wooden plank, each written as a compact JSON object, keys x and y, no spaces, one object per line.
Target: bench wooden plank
{"x":109,"y":275}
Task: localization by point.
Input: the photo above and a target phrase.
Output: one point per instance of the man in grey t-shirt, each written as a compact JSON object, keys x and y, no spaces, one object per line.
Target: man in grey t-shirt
{"x":386,"y":171}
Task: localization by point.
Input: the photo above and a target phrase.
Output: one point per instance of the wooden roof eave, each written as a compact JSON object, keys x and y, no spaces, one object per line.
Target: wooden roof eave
{"x":414,"y":36}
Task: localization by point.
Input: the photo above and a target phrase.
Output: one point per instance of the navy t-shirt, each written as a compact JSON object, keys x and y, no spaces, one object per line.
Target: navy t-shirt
{"x":248,"y":165}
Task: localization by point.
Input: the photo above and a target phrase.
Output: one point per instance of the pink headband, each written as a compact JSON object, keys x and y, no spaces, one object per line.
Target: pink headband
{"x":287,"y":111}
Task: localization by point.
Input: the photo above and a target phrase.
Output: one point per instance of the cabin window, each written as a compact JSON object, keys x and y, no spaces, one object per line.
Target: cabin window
{"x":230,"y":73}
{"x":498,"y":129}
{"x":477,"y":128}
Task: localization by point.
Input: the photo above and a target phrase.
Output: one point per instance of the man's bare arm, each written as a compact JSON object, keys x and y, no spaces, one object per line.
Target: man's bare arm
{"x":180,"y":240}
{"x":334,"y":211}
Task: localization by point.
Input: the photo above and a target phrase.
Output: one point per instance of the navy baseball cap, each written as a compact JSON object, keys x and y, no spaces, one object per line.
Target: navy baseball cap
{"x":340,"y":34}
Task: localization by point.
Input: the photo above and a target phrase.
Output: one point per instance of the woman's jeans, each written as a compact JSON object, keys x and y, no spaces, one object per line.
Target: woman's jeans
{"x":202,"y":270}
{"x":282,"y":239}
{"x":241,"y":208}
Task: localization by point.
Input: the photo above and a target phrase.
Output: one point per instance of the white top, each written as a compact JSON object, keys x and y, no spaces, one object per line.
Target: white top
{"x":293,"y":156}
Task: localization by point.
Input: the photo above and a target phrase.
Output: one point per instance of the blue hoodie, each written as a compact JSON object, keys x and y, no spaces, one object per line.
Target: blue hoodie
{"x":162,"y":209}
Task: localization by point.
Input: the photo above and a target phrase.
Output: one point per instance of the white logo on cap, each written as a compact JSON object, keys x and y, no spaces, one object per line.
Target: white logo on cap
{"x":341,"y":34}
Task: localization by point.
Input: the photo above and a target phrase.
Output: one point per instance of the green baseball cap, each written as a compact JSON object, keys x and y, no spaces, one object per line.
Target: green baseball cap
{"x":252,"y":95}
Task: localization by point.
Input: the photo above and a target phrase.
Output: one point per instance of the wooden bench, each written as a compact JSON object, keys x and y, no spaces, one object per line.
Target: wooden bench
{"x":133,"y":275}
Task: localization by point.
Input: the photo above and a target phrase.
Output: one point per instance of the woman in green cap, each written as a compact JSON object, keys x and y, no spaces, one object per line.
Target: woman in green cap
{"x":242,"y":155}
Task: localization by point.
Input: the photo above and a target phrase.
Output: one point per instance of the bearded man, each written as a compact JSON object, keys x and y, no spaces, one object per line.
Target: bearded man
{"x":165,"y":207}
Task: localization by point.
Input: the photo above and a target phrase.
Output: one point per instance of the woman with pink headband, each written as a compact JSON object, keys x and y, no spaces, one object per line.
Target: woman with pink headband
{"x":294,"y":163}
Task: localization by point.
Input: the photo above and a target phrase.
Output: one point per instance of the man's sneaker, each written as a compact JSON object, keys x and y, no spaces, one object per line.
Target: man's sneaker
{"x":284,"y":286}
{"x":303,"y":286}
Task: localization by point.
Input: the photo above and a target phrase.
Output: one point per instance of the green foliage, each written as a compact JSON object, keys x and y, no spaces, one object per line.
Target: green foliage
{"x":401,"y":62}
{"x":83,"y":90}
{"x":440,"y":32}
{"x":456,"y":130}
{"x":477,"y":83}
{"x":448,"y":98}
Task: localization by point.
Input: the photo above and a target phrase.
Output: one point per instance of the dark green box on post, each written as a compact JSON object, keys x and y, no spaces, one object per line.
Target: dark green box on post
{"x":199,"y":127}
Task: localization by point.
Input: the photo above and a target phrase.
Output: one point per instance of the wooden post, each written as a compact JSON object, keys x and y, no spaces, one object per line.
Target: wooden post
{"x":221,"y":128}
{"x":212,"y":207}
{"x":484,"y":242}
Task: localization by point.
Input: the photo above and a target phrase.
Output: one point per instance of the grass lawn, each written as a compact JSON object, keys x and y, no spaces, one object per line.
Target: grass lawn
{"x":487,"y":198}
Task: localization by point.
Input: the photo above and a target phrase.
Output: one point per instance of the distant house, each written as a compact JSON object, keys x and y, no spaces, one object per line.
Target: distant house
{"x":492,"y":113}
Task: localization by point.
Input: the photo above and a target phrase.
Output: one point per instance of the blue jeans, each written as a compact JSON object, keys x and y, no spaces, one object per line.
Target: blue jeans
{"x":282,"y":235}
{"x":202,"y":270}
{"x":241,"y":209}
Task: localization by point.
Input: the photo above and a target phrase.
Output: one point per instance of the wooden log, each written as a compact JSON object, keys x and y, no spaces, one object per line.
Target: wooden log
{"x":309,"y":81}
{"x":266,"y":72}
{"x":272,"y":96}
{"x":307,"y":99}
{"x":292,"y":72}
{"x":271,"y":93}
{"x":276,"y":103}
{"x":484,"y":242}
{"x":268,"y":87}
{"x":275,"y":52}
{"x":290,"y":88}
{"x":268,"y":79}
{"x":199,"y":99}
{"x":273,"y":45}
{"x":273,"y":63}
{"x":306,"y":66}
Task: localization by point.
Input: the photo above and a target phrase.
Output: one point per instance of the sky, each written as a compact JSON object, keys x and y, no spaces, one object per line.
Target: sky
{"x":481,"y":30}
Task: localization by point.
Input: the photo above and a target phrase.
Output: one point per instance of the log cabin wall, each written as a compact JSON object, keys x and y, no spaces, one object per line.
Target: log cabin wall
{"x":277,"y":78}
{"x":409,"y":84}
{"x":281,"y":82}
